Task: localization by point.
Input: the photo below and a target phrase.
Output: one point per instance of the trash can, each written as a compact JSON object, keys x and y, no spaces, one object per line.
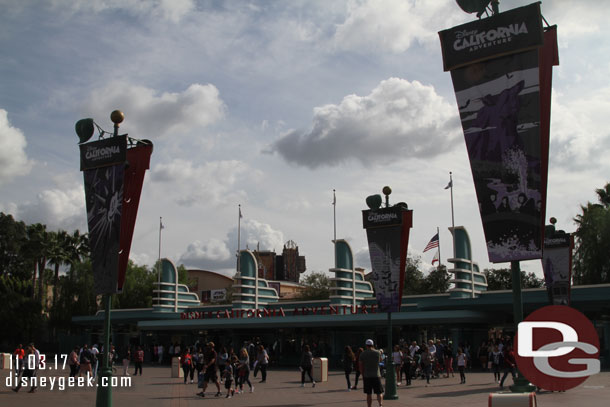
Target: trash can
{"x":176,"y":368}
{"x":320,"y":369}
{"x":512,"y":399}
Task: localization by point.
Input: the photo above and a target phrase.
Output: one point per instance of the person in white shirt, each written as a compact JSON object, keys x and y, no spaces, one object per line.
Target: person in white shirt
{"x":94,"y":362}
{"x":397,"y":361}
{"x":413,"y":349}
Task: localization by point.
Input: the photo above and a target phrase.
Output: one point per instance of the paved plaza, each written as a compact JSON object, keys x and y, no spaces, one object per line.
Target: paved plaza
{"x":157,"y":389}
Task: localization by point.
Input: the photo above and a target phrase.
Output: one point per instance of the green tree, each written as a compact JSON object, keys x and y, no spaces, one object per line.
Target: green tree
{"x":317,"y":286}
{"x":414,"y":277}
{"x":20,"y":314}
{"x":137,"y":288}
{"x":75,"y":295}
{"x":501,"y":279}
{"x":592,"y":241}
{"x":13,"y":239}
{"x":37,"y":248}
{"x":437,"y":281}
{"x":59,"y":251}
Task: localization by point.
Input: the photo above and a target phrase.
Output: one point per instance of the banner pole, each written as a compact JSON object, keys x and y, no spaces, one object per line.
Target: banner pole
{"x":104,"y":393}
{"x":521,"y":384}
{"x":390,"y":374}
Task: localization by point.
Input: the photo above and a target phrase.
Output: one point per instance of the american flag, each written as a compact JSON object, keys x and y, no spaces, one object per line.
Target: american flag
{"x":432,"y":243}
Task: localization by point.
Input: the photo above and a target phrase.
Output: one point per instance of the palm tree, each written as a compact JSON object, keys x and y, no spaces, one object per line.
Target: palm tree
{"x":37,"y":250}
{"x":59,"y":247}
{"x":603,"y":194}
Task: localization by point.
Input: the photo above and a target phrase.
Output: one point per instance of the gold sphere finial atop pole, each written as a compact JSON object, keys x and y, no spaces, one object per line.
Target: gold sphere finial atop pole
{"x":387,"y":191}
{"x":117,"y":118}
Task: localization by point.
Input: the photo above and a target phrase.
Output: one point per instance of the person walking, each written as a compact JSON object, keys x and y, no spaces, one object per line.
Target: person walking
{"x":210,"y":369}
{"x":449,"y":359}
{"x":18,"y":359}
{"x":244,"y":370}
{"x":73,"y":362}
{"x":427,"y":359}
{"x":348,"y":364}
{"x":510,"y":364}
{"x":227,"y":375}
{"x":357,"y":367}
{"x":461,"y":363}
{"x":408,"y":366}
{"x":126,"y":359}
{"x":262,"y":361}
{"x":397,"y":360}
{"x":306,"y":366}
{"x":496,"y":358}
{"x":371,"y":377}
{"x":26,"y":373}
{"x":198,"y":363}
{"x":223,"y":360}
{"x":138,"y":360}
{"x":85,"y":360}
{"x":186,"y":360}
{"x":95,"y":356}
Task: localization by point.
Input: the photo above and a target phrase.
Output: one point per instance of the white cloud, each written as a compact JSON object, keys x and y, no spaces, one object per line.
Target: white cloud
{"x":62,"y":207}
{"x":13,"y":159}
{"x":171,"y":10}
{"x":397,"y":120}
{"x":152,"y":115}
{"x":210,"y":184}
{"x":578,"y":136}
{"x":394,"y":25}
{"x":215,"y":253}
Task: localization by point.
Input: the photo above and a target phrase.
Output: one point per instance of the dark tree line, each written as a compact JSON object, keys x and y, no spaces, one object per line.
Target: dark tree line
{"x":46,"y":278}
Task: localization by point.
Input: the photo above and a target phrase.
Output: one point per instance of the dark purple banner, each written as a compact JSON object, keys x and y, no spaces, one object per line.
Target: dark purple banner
{"x":500,"y":101}
{"x":557,"y":266}
{"x":387,"y":232}
{"x":104,"y":196}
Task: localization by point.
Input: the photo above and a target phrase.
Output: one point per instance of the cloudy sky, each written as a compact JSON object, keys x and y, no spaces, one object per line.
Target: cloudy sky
{"x":272,"y":105}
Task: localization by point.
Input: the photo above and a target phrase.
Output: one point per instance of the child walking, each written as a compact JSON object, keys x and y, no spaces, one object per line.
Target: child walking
{"x":461,"y":363}
{"x":227,"y":375}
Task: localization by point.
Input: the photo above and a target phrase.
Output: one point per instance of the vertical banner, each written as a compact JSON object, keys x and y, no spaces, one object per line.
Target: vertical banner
{"x":387,"y":232}
{"x":103,"y":163}
{"x":498,"y":84}
{"x":138,"y":161}
{"x":557,"y":266}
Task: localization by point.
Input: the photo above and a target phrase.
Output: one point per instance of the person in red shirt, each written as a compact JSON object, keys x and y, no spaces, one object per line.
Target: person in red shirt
{"x":186,"y":359}
{"x":510,"y":364}
{"x":18,"y":358}
{"x":138,"y":359}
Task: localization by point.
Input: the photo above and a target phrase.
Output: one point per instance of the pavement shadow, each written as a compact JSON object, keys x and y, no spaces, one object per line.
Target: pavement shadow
{"x":455,"y":393}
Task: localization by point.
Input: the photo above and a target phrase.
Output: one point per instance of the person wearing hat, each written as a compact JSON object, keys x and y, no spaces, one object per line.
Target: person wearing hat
{"x":371,"y":377}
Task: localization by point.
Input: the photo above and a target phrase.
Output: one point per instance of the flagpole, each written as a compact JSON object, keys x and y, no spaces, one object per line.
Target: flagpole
{"x":238,"y":239}
{"x":452,"y":214}
{"x":335,"y":226}
{"x":159,"y":265}
{"x":439,"y":248}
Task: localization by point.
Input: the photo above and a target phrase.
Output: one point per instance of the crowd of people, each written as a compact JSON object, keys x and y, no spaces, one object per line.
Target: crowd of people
{"x":221,"y":366}
{"x":429,"y":360}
